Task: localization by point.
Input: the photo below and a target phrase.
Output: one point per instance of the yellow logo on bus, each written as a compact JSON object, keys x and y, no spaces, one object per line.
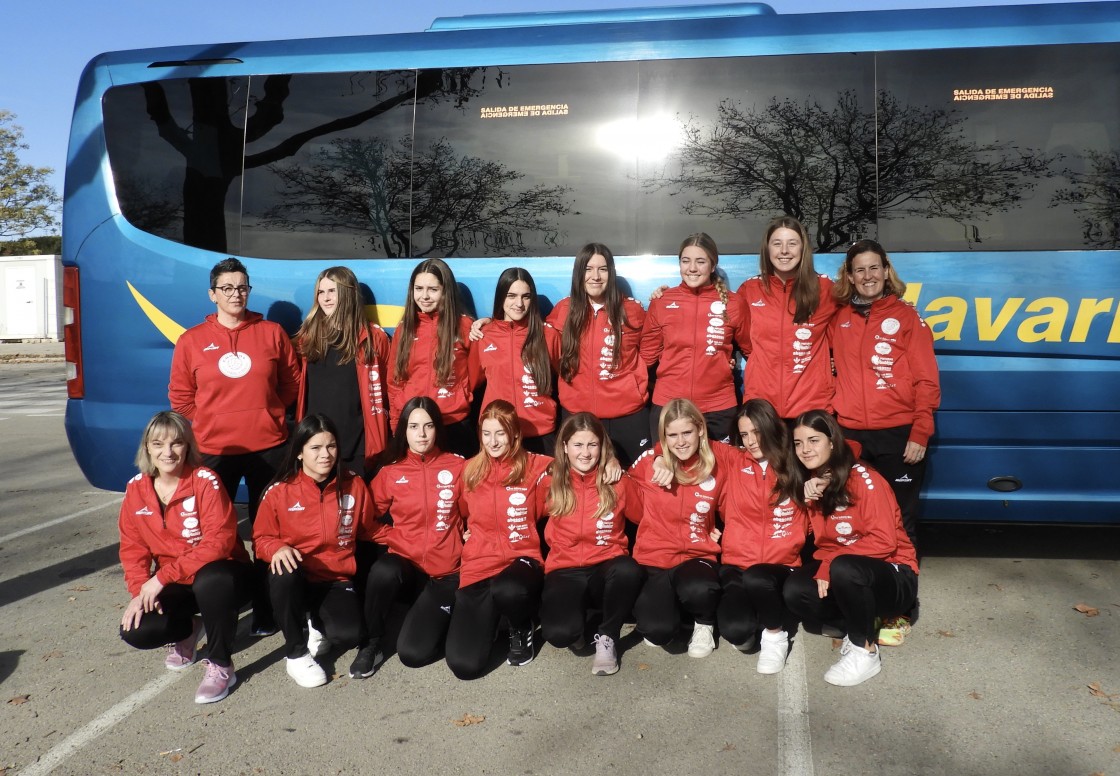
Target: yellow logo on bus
{"x":386,"y":315}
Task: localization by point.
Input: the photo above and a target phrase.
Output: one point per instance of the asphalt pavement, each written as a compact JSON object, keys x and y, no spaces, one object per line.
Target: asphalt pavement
{"x":1011,"y":670}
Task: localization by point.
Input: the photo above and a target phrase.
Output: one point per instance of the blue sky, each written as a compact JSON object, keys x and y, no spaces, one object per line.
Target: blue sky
{"x":48,"y":42}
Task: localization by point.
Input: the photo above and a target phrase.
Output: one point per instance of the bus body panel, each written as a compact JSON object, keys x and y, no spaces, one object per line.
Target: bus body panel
{"x":1027,"y":340}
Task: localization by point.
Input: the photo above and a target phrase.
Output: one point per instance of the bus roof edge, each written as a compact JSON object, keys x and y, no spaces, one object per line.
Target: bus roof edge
{"x":604,"y":16}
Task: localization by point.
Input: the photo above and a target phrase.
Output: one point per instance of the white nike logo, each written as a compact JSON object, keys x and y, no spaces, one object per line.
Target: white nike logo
{"x":211,"y":346}
{"x":490,"y":348}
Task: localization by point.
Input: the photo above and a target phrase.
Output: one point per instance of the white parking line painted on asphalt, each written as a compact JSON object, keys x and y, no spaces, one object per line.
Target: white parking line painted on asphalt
{"x":56,"y":521}
{"x":83,"y":736}
{"x":795,"y":744}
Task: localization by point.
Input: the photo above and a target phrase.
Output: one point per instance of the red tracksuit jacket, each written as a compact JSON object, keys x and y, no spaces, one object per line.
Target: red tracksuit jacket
{"x":576,"y":540}
{"x":597,"y":388}
{"x":871,"y":526}
{"x":674,"y":524}
{"x":886,"y":373}
{"x":421,"y":493}
{"x":789,"y":363}
{"x":197,"y":527}
{"x":371,"y":390}
{"x":690,"y":335}
{"x":755,"y":530}
{"x":496,"y":358}
{"x":502,"y":520}
{"x":234,"y":385}
{"x":297,"y":514}
{"x":453,"y":399}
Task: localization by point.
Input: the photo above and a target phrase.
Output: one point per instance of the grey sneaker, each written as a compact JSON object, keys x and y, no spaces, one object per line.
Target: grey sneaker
{"x":606,"y":656}
{"x":367,"y":661}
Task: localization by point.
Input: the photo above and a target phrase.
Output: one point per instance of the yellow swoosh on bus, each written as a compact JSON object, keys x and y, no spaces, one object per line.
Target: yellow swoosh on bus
{"x":387,"y":315}
{"x":166,"y":326}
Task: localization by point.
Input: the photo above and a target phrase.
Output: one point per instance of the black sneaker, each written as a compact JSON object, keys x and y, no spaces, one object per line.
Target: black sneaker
{"x":520,"y":646}
{"x":367,"y":661}
{"x":263,"y":626}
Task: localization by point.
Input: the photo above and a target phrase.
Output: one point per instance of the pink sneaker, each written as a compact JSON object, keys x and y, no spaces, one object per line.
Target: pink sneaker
{"x":181,"y":654}
{"x":216,"y":683}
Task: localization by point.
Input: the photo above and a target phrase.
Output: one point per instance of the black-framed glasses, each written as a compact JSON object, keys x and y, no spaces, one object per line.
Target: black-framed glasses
{"x":229,"y":291}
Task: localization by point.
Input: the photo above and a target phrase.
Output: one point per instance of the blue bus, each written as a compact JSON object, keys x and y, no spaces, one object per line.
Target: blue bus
{"x":981,"y":146}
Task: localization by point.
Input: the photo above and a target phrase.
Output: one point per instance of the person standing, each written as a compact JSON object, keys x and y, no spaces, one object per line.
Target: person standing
{"x":343,"y":362}
{"x":790,"y":307}
{"x":234,"y":376}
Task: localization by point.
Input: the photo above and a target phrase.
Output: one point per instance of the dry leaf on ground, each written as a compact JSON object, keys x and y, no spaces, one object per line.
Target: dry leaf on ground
{"x":1096,"y":691}
{"x":469,"y":719}
{"x":81,"y":588}
{"x":17,"y":700}
{"x":946,"y":634}
{"x":975,"y":695}
{"x":643,"y":666}
{"x":52,"y":654}
{"x":1088,"y":611}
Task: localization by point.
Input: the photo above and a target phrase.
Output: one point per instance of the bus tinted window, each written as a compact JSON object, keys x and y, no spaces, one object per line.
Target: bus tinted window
{"x":758,"y":136}
{"x":1006,"y":149}
{"x":175,"y":149}
{"x":521,"y":168}
{"x":327,"y":164}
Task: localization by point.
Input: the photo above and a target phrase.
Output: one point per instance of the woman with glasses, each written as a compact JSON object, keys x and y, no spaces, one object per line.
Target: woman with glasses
{"x":233,"y":376}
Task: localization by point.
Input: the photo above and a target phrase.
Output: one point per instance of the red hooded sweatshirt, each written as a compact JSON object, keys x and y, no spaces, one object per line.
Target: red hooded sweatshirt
{"x":578,"y":540}
{"x":675,"y":523}
{"x":421,"y":493}
{"x":871,"y":526}
{"x":789,"y":364}
{"x":371,"y":382}
{"x":597,"y":387}
{"x":296,"y":513}
{"x":886,"y":373}
{"x":234,"y":385}
{"x":198,"y":526}
{"x":453,"y":399}
{"x":755,"y":530}
{"x":502,"y":520}
{"x":690,"y":334}
{"x":496,"y":358}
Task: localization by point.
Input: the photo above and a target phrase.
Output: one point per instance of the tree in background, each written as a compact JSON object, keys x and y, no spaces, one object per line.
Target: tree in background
{"x":457,"y":202}
{"x":27,"y":202}
{"x":839,"y":168}
{"x":1094,"y":194}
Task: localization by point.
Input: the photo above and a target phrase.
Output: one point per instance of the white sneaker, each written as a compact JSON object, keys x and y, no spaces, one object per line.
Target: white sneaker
{"x":703,"y":640}
{"x":606,"y":656}
{"x":306,"y":671}
{"x":317,"y":644}
{"x":772,"y":652}
{"x":855,"y":666}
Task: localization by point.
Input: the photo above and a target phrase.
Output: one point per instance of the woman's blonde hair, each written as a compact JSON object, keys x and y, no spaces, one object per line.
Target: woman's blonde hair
{"x":844,"y":291}
{"x":683,"y":409}
{"x":171,"y":424}
{"x":561,"y":495}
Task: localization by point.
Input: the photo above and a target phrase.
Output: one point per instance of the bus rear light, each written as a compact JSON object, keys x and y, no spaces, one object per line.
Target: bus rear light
{"x":72,"y":333}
